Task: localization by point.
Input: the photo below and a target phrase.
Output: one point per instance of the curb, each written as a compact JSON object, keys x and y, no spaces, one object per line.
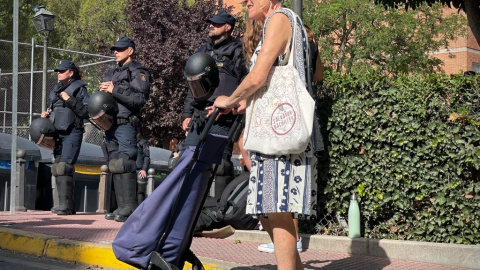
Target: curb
{"x":54,"y":247}
{"x":101,"y":255}
{"x":467,"y":256}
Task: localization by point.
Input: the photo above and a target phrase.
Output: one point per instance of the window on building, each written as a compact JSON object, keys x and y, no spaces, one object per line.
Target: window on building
{"x":476,"y":67}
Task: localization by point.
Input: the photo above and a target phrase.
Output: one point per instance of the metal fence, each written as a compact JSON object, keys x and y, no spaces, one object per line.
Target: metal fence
{"x":94,"y":66}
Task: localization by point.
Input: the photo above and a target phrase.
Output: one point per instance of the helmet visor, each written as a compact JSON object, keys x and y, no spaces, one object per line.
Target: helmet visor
{"x":47,"y":142}
{"x":198,"y":87}
{"x":102,"y":121}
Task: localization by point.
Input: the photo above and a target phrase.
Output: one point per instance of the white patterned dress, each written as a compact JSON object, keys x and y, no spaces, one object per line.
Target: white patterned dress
{"x":285,"y":183}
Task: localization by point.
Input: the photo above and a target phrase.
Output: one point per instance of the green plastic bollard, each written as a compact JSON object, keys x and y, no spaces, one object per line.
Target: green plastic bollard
{"x":353,"y":218}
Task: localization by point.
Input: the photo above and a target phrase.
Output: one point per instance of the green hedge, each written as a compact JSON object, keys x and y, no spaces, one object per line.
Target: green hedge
{"x":410,"y":147}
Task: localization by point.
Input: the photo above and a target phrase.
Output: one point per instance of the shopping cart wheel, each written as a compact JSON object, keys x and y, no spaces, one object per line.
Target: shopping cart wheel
{"x":157,"y":262}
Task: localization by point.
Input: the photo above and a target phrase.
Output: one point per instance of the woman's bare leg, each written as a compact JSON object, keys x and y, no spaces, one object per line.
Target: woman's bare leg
{"x":284,"y":240}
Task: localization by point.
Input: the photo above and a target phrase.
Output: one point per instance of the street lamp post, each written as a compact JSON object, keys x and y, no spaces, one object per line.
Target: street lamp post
{"x":298,"y":8}
{"x":44,"y":22}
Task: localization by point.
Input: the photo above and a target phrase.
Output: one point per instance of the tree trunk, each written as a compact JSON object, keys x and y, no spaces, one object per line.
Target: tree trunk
{"x":472,"y":8}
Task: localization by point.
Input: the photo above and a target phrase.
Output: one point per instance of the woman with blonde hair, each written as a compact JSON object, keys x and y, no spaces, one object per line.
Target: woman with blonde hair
{"x":289,"y":187}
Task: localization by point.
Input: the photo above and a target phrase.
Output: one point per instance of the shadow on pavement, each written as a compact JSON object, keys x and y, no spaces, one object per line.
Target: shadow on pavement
{"x":48,"y":221}
{"x":350,"y":263}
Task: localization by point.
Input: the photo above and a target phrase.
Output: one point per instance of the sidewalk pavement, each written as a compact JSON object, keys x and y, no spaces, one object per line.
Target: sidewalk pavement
{"x":86,"y":239}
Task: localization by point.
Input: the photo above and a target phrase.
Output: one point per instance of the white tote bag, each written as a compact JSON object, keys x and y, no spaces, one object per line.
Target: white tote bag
{"x":280,"y":115}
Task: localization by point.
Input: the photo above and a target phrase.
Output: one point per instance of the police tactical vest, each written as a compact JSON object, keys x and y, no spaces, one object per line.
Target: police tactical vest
{"x":224,"y":54}
{"x":123,"y":75}
{"x":63,"y":117}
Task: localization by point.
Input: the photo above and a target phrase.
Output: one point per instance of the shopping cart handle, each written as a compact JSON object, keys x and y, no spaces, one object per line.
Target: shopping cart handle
{"x":210,"y":122}
{"x":233,"y":134}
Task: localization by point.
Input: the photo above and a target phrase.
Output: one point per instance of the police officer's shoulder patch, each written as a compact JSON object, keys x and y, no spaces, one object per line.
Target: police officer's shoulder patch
{"x":143,"y":76}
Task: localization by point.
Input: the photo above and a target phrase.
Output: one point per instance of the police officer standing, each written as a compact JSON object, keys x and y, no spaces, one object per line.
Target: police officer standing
{"x":143,"y":162}
{"x":67,"y":108}
{"x":227,"y":53}
{"x":129,"y":84}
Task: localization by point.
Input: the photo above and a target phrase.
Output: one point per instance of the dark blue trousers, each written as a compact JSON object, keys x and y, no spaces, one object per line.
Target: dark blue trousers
{"x":68,"y":148}
{"x":125,"y":137}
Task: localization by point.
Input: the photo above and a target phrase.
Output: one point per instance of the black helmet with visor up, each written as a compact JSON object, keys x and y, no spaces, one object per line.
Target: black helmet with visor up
{"x":102,"y":109}
{"x":43,"y":133}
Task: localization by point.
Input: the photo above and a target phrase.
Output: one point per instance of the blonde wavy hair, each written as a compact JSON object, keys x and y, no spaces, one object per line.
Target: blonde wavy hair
{"x":251,"y":38}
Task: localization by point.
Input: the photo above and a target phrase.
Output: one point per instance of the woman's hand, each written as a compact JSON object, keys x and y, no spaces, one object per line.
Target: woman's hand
{"x":242,"y":107}
{"x":222,"y":104}
{"x":45,"y":114}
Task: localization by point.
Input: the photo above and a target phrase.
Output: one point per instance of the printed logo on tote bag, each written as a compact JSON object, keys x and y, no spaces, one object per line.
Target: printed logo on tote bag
{"x":283,"y":119}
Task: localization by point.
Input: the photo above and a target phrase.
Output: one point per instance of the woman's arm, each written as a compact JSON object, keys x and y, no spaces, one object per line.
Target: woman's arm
{"x":278,"y":34}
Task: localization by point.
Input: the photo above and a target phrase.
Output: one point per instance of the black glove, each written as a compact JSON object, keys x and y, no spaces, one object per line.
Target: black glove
{"x":199,"y":118}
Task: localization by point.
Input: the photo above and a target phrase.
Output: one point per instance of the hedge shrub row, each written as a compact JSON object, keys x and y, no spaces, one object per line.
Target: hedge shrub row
{"x":410,"y":148}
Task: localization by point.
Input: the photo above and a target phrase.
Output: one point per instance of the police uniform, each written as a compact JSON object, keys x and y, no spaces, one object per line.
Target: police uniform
{"x":67,"y":117}
{"x":228,"y":54}
{"x":131,"y":90}
{"x":143,"y":163}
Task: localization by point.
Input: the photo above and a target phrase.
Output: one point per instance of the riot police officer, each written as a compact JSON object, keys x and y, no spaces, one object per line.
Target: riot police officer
{"x":143,"y":162}
{"x":67,"y":108}
{"x":227,"y":53}
{"x":129,"y":84}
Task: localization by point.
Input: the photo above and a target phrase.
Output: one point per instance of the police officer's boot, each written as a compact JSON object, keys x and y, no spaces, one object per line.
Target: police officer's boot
{"x":65,"y":186}
{"x":118,"y":189}
{"x":54,"y":209}
{"x":127,"y":194}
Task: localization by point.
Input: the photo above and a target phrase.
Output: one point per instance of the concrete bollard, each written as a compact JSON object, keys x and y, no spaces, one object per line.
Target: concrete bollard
{"x":102,"y":190}
{"x":151,"y":181}
{"x":20,"y":182}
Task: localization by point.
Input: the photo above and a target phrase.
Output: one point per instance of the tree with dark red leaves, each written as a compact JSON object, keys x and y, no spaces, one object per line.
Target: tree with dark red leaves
{"x":167,"y":33}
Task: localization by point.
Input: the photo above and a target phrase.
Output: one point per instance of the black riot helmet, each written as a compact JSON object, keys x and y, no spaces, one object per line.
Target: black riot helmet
{"x":201,"y":72}
{"x":102,"y":109}
{"x":43,"y":133}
